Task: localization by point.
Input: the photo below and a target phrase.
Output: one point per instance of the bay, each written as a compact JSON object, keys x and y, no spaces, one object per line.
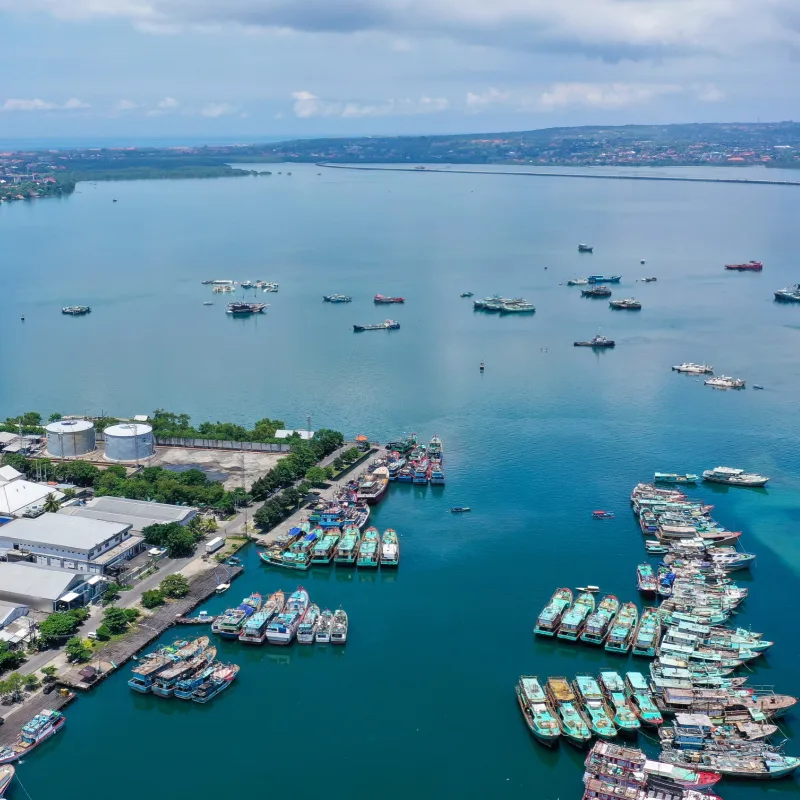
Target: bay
{"x":421,"y":700}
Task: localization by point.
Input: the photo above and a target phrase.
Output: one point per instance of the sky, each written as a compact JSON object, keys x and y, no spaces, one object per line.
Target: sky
{"x":241,"y":70}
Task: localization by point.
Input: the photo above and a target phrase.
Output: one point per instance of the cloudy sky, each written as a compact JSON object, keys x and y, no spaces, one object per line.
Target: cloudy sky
{"x":244,"y":68}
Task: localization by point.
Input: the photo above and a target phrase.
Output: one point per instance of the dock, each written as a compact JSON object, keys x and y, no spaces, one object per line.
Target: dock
{"x":10,"y":732}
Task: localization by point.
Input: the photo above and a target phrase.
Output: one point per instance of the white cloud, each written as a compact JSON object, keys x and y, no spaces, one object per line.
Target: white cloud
{"x":37,"y":104}
{"x":603,"y":95}
{"x":491,"y":97}
{"x":308,"y":105}
{"x":168,"y":103}
{"x":708,"y":93}
{"x":216,"y":110}
{"x":125,"y":105}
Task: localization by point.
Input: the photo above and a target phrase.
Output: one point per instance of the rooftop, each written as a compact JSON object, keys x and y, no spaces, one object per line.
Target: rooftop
{"x":29,"y":580}
{"x":136,"y":513}
{"x":62,"y":530}
{"x":6,"y":437}
{"x":15,"y":495}
{"x":285,"y":434}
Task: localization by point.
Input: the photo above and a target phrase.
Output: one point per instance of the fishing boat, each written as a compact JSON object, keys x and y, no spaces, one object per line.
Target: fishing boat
{"x":390,"y":548}
{"x":725,"y":382}
{"x":308,"y":627}
{"x":298,"y":555}
{"x":436,"y":474}
{"x":585,"y":248}
{"x":421,"y":472}
{"x":45,"y":724}
{"x":337,"y":298}
{"x":578,"y":282}
{"x":550,"y":618}
{"x":599,"y":621}
{"x":641,"y":698}
{"x":762,"y":765}
{"x":219,"y":680}
{"x":574,"y":620}
{"x":76,"y":311}
{"x":145,"y":672}
{"x":749,"y":266}
{"x":381,"y":299}
{"x":185,"y":687}
{"x":466,"y":294}
{"x":254,"y":630}
{"x":240,"y":309}
{"x":460,"y":509}
{"x":7,"y":773}
{"x":621,"y":633}
{"x":373,"y":489}
{"x":684,"y":777}
{"x":597,"y":341}
{"x":596,"y":291}
{"x":563,"y":705}
{"x":324,"y":548}
{"x":339,"y":627}
{"x":651,"y":279}
{"x":646,"y":579}
{"x":602,"y":514}
{"x":694,"y":369}
{"x":386,"y":325}
{"x":541,"y":722}
{"x":734,"y":477}
{"x":347,"y":549}
{"x":665,"y":577}
{"x":324,"y":624}
{"x":283,"y":627}
{"x":626,"y":304}
{"x":624,"y":716}
{"x":591,"y":698}
{"x":675,"y":478}
{"x":229,"y":625}
{"x":602,"y":279}
{"x":165,"y":682}
{"x":647,"y":635}
{"x":406,"y":474}
{"x":247,"y":285}
{"x":789,"y":294}
{"x":369,"y":551}
{"x":517,"y":306}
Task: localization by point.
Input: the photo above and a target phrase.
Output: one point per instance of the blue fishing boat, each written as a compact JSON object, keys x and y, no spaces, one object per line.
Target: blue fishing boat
{"x":648,"y":634}
{"x":219,"y":680}
{"x":599,"y":622}
{"x":396,"y":463}
{"x":324,"y":548}
{"x":604,"y":279}
{"x":347,"y":548}
{"x":421,"y":472}
{"x":369,"y":549}
{"x":550,"y":617}
{"x":229,"y":625}
{"x":254,"y":630}
{"x":298,"y":556}
{"x":165,"y":682}
{"x":185,"y":687}
{"x":436,"y":473}
{"x":621,"y":633}
{"x":575,"y":619}
{"x":406,"y":474}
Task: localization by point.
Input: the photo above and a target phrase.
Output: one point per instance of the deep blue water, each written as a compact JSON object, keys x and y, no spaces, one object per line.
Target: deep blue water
{"x":422,"y":698}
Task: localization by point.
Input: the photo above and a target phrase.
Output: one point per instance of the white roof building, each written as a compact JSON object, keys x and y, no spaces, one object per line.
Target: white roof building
{"x":11,"y":611}
{"x":35,"y":586}
{"x":8,"y":473}
{"x":7,"y":438}
{"x":136,"y":513}
{"x":17,"y":494}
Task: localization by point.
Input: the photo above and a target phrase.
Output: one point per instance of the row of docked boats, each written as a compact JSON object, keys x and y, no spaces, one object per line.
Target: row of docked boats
{"x":280,"y":620}
{"x":504,"y":305}
{"x":409,"y":461}
{"x":301,"y":549}
{"x":186,"y":669}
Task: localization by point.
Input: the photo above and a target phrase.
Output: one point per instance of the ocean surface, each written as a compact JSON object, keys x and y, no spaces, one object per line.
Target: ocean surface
{"x":421,"y":700}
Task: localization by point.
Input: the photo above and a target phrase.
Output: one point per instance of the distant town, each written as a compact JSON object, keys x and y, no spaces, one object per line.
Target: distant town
{"x":26,"y":175}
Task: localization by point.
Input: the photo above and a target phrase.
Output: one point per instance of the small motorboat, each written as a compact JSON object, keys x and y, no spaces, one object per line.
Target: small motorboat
{"x":460,"y":509}
{"x":233,"y":561}
{"x":603,"y":514}
{"x":755,"y":385}
{"x":466,"y":294}
{"x":208,"y":303}
{"x":222,"y":587}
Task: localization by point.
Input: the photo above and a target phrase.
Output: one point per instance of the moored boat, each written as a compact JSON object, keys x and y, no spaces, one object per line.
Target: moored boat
{"x":369,"y":549}
{"x":596,"y":341}
{"x":624,"y":716}
{"x":45,"y":724}
{"x":574,"y":620}
{"x":641,"y":698}
{"x":749,"y":266}
{"x":386,"y":325}
{"x":585,"y":248}
{"x":694,"y":369}
{"x":243,"y":309}
{"x":599,"y":621}
{"x":165,"y":682}
{"x":541,"y":722}
{"x":647,"y":635}
{"x":563,"y":705}
{"x":675,"y":478}
{"x":550,"y":617}
{"x":347,"y":549}
{"x":383,"y":299}
{"x":336,"y":298}
{"x":219,"y":680}
{"x":789,"y":294}
{"x":591,"y":698}
{"x":7,"y":773}
{"x":734,"y":477}
{"x":323,"y":633}
{"x":596,"y":291}
{"x":229,"y":625}
{"x":308,"y":627}
{"x":626,"y":304}
{"x":390,"y":548}
{"x":324,"y":548}
{"x":603,"y":279}
{"x":621,"y":633}
{"x":339,"y":627}
{"x":646,"y":579}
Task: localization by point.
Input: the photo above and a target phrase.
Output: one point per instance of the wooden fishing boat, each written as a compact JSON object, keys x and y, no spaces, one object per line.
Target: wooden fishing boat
{"x":541,"y":722}
{"x":550,"y":617}
{"x":574,"y":620}
{"x":591,"y":699}
{"x":563,"y":705}
{"x":599,"y":622}
{"x":621,"y":633}
{"x":647,"y":635}
{"x":641,"y":698}
{"x":624,"y":716}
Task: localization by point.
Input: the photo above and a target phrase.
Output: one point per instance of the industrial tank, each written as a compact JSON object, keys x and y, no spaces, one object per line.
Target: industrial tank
{"x":69,"y":438}
{"x":130,"y":441}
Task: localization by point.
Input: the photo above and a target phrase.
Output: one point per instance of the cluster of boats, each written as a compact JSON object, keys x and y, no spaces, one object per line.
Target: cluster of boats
{"x":717,"y":382}
{"x":45,"y":724}
{"x":76,"y":311}
{"x":303,"y":547}
{"x":504,"y":305}
{"x":614,"y":771}
{"x":411,"y":462}
{"x":186,"y":669}
{"x":281,"y":620}
{"x":222,"y":285}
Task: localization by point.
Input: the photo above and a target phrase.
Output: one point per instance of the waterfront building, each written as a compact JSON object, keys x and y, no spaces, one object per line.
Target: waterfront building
{"x":46,"y":589}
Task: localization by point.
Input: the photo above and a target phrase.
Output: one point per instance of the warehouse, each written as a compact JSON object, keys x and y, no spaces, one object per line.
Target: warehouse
{"x":11,"y":611}
{"x":40,"y":588}
{"x":18,"y":495}
{"x":136,"y":513}
{"x":71,"y":543}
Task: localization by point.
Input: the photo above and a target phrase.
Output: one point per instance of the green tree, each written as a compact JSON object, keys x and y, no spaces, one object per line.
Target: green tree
{"x":31,"y":682}
{"x":103,"y":633}
{"x":77,"y":650}
{"x":152,"y":598}
{"x":316,"y":476}
{"x":181,"y":544}
{"x":174,"y":585}
{"x":338,"y":463}
{"x":132,"y":614}
{"x":13,"y":686}
{"x":10,"y":659}
{"x":210,"y":524}
{"x":111,"y":593}
{"x":54,"y":417}
{"x":50,"y":673}
{"x":69,"y":493}
{"x":115,"y":620}
{"x":79,"y":614}
{"x":55,"y":627}
{"x":51,"y":504}
{"x":17,"y":461}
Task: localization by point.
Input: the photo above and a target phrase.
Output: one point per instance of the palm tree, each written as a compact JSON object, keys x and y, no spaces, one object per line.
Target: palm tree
{"x":51,"y":504}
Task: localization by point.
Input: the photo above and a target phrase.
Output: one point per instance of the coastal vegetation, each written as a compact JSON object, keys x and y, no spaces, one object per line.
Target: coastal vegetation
{"x":170,"y":425}
{"x":10,"y":659}
{"x":59,"y":625}
{"x":77,"y":650}
{"x":153,"y":598}
{"x":177,"y":539}
{"x":174,"y":586}
{"x":32,"y":189}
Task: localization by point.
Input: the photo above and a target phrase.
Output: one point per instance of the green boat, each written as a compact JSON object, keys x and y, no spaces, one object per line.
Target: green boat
{"x":563,"y":705}
{"x":641,"y":698}
{"x":648,"y":634}
{"x":347,"y":549}
{"x":591,"y":698}
{"x":624,"y":716}
{"x":324,"y":548}
{"x":370,"y":548}
{"x":548,"y":621}
{"x":599,"y":622}
{"x":621,"y":633}
{"x":574,"y":620}
{"x":541,"y":722}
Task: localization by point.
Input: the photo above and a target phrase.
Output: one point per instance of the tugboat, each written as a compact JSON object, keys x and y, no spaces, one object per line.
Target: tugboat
{"x":596,"y":341}
{"x":383,"y":299}
{"x":337,"y":298}
{"x":628,"y":304}
{"x":585,"y":248}
{"x":387,"y":325}
{"x":241,"y":309}
{"x":76,"y":311}
{"x":750,"y":266}
{"x":596,"y":291}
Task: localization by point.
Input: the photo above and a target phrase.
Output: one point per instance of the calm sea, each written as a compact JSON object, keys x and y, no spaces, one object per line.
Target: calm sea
{"x":421,"y":700}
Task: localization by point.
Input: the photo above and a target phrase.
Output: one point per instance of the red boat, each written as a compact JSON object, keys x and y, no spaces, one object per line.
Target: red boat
{"x":750,"y":266}
{"x":379,"y":298}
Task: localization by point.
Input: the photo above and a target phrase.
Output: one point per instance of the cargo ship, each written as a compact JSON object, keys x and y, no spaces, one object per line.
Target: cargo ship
{"x":750,"y":266}
{"x":382,"y":298}
{"x":387,"y":325}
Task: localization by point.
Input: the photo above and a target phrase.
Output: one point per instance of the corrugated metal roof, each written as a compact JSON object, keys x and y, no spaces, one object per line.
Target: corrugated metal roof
{"x":28,"y":580}
{"x":62,"y":530}
{"x":136,"y":513}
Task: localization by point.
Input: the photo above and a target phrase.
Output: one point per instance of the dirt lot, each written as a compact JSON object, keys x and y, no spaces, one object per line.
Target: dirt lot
{"x":224,"y":465}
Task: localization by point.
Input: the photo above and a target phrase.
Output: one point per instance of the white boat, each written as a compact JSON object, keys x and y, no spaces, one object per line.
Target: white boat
{"x":308,"y":627}
{"x":725,"y":382}
{"x":222,"y":587}
{"x":6,"y":777}
{"x":323,"y":633}
{"x":578,"y":282}
{"x":339,"y":627}
{"x":734,"y":477}
{"x":694,"y":369}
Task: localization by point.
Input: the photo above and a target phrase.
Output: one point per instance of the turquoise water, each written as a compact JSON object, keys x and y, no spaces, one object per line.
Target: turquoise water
{"x":421,"y":700}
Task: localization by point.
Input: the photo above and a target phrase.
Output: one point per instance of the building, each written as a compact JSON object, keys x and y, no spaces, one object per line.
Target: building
{"x":11,"y":611}
{"x":18,"y":495}
{"x":138,"y":514}
{"x":72,"y":543}
{"x":283,"y":434}
{"x":41,"y":588}
{"x":7,"y":439}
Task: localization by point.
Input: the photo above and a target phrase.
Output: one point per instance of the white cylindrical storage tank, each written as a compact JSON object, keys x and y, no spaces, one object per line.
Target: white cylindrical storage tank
{"x":130,"y":441}
{"x":69,"y":438}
